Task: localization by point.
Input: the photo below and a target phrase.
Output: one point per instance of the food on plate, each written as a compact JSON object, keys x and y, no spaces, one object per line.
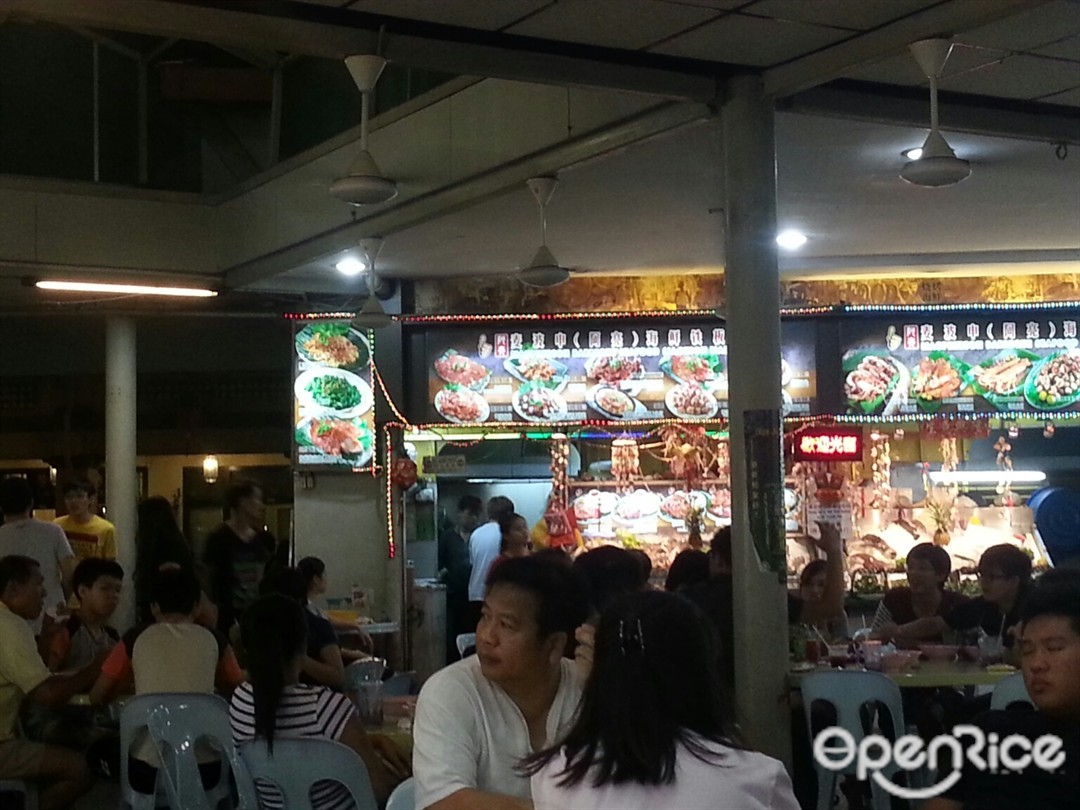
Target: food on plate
{"x":690,"y":399}
{"x":638,"y":504}
{"x":594,"y":504}
{"x":536,"y":369}
{"x":338,"y":437}
{"x":697,"y":368}
{"x":614,"y":402}
{"x":329,"y":344}
{"x":871,"y":379}
{"x":720,"y":502}
{"x":1059,"y":377}
{"x":461,"y":370}
{"x":677,"y":505}
{"x":1004,"y":376}
{"x":334,"y":392}
{"x":935,"y":379}
{"x":614,"y":369}
{"x":537,"y":402}
{"x":460,"y":404}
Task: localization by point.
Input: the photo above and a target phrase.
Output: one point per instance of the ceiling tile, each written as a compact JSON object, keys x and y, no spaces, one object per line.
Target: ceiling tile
{"x":1028,"y":29}
{"x":902,"y":69}
{"x":838,"y":13}
{"x":612,"y":23}
{"x":1067,"y":48}
{"x":487,"y":15}
{"x":1018,"y":76}
{"x":1070,"y":97}
{"x":742,"y":40}
{"x":720,"y":5}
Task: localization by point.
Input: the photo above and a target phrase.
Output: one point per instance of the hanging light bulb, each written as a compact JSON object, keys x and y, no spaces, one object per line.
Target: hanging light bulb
{"x":210,"y":469}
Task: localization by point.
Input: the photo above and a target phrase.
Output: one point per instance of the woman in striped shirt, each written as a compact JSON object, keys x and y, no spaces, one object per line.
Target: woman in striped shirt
{"x":275,"y":703}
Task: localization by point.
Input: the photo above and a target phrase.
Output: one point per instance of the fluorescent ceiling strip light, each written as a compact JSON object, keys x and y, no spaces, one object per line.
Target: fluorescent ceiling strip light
{"x":988,"y":476}
{"x":128,"y":289}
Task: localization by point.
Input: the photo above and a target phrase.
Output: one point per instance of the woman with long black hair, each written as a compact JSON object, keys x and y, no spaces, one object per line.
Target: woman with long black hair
{"x":273,"y":703}
{"x":653,"y":727}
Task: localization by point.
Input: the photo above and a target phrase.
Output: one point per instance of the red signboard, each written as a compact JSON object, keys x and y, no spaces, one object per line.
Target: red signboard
{"x":829,"y":444}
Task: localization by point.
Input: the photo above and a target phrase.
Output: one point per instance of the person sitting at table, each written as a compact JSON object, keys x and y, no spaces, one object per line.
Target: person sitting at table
{"x":655,"y":652}
{"x":172,"y":655}
{"x":812,"y":583}
{"x":925,"y":596}
{"x":73,"y":644}
{"x":323,"y":663}
{"x":1049,"y":643}
{"x":274,"y":703}
{"x":314,"y":572}
{"x":477,"y":718}
{"x":61,"y":775}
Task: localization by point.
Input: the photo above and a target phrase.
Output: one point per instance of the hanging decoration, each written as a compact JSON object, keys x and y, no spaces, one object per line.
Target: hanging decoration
{"x":950,"y":457}
{"x":625,"y":460}
{"x":689,"y":452}
{"x":881,"y":470}
{"x":1005,"y":464}
{"x":559,"y":447}
{"x":391,"y":542}
{"x":946,"y":428}
{"x":403,"y":472}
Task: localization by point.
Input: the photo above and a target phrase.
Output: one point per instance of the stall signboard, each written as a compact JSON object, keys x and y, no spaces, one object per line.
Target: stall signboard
{"x":333,"y":401}
{"x":833,"y":443}
{"x":965,"y":362}
{"x":599,"y":370}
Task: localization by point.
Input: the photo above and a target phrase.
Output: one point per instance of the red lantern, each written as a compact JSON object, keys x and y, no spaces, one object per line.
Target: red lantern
{"x":403,"y":473}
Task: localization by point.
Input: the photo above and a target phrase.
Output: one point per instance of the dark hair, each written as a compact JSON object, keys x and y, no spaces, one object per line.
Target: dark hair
{"x":811,"y":570}
{"x":287,"y":582}
{"x":273,"y":632}
{"x":644,"y":562}
{"x":1010,"y":561}
{"x":720,"y":545}
{"x":158,"y":540}
{"x":176,"y":591}
{"x":238,"y":491}
{"x":609,"y":572}
{"x":689,"y":567}
{"x":16,"y":569}
{"x":16,"y":496}
{"x":470,"y":504}
{"x":1055,"y":593}
{"x":81,"y":485}
{"x":937,"y":557}
{"x":654,"y":652}
{"x":556,"y":554}
{"x":506,"y":523}
{"x":309,"y":568}
{"x":499,"y":506}
{"x":90,"y":570}
{"x":562,"y":602}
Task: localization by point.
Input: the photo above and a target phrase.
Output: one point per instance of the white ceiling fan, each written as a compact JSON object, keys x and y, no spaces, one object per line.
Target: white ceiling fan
{"x":364,"y":183}
{"x":938,"y":165}
{"x":372,"y":315}
{"x":544,"y":270}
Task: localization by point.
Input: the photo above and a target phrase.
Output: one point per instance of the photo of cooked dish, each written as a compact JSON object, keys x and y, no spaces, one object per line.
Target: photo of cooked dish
{"x":720,"y":505}
{"x":332,"y":390}
{"x":691,"y":401}
{"x":594,"y":504}
{"x":461,"y":405}
{"x":677,"y":505}
{"x":456,"y":368}
{"x":613,"y":369}
{"x":637,"y":505}
{"x":613,"y":403}
{"x":535,"y":403}
{"x":692,"y":368}
{"x":530,"y":368}
{"x":1005,"y":375}
{"x":935,"y":379}
{"x":1055,"y":381}
{"x":342,"y":441}
{"x":871,"y":379}
{"x":336,"y":345}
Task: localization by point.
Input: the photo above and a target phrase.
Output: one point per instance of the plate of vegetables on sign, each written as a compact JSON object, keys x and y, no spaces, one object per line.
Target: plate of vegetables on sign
{"x":333,"y":391}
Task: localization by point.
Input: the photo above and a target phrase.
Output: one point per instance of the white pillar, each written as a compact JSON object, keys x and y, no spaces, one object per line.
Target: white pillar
{"x":752,"y":284}
{"x":121,"y":478}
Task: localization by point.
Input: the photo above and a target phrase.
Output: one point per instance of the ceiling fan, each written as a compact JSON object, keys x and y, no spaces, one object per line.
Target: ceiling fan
{"x":938,"y":165}
{"x":544,"y":270}
{"x":372,"y":315}
{"x":364,"y":183}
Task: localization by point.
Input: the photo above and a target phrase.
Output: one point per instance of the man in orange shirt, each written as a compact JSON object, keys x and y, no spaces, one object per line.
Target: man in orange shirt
{"x":89,"y":534}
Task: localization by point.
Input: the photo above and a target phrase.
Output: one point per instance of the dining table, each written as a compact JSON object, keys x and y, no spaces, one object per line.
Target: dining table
{"x":957,"y":674}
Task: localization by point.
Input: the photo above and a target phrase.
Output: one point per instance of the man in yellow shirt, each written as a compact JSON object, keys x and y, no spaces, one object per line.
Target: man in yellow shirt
{"x":89,"y":534}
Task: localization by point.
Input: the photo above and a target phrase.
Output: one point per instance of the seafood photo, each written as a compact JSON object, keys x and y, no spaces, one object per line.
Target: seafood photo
{"x":461,"y":370}
{"x":459,"y":404}
{"x":614,"y":370}
{"x":1004,"y":376}
{"x":539,"y":404}
{"x":871,"y":379}
{"x":935,"y":378}
{"x":1055,"y":382}
{"x":690,"y":400}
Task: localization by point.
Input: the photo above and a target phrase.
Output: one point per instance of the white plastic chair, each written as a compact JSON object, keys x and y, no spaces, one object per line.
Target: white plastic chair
{"x":297,"y":764}
{"x":403,"y":797}
{"x":464,"y":641}
{"x":1009,"y":691}
{"x":27,"y":790}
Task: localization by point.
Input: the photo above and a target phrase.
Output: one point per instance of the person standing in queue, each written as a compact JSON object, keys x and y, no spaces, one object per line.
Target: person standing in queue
{"x":454,"y":560}
{"x":89,"y":534}
{"x":483,"y":549}
{"x":238,"y":553}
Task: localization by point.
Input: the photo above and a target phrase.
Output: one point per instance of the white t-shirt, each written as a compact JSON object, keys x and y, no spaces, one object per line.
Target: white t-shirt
{"x":468,"y":733}
{"x":742,"y":780}
{"x":483,"y":549}
{"x":46,"y":543}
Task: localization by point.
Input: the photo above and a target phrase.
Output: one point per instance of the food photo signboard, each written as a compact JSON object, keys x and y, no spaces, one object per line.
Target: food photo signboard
{"x":612,"y":371}
{"x":333,"y":401}
{"x":967,"y":362}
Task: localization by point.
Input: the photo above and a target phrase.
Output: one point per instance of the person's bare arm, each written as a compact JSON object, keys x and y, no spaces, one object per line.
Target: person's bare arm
{"x":329,"y":670}
{"x":926,"y":627}
{"x":67,"y":569}
{"x":470,"y":799}
{"x":59,"y":689}
{"x":832,"y":600}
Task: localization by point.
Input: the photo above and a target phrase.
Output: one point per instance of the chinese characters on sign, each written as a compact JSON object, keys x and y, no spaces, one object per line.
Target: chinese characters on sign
{"x":832,"y":444}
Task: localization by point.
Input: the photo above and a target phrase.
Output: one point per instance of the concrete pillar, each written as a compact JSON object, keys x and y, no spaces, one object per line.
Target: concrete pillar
{"x":121,"y":478}
{"x":752,"y":283}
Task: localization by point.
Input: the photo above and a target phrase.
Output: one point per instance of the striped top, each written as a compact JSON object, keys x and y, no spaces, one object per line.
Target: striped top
{"x":304,"y":711}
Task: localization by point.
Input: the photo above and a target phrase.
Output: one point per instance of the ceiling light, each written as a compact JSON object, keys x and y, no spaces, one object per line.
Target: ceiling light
{"x":791,"y":239}
{"x":912,"y":154}
{"x":350,"y":266}
{"x":129,"y":289}
{"x":987,"y":476}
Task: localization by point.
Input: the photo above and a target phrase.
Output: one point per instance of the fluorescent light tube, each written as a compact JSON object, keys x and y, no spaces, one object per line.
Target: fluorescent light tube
{"x":988,"y":476}
{"x":126,"y":289}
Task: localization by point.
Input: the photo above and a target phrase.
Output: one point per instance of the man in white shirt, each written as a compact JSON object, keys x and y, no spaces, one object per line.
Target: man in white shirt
{"x":477,"y":718}
{"x":483,"y":549}
{"x":44,"y":542}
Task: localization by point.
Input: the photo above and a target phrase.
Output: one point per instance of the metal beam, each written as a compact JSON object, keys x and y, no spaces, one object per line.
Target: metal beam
{"x":945,"y":19}
{"x":105,"y":41}
{"x":469,"y":191}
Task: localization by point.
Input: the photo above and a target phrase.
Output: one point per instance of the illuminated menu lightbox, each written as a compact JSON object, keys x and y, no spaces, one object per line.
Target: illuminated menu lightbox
{"x":828,"y":444}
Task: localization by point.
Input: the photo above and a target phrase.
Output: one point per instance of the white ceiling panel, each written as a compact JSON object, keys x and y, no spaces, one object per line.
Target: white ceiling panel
{"x":1070,"y":97}
{"x":902,"y":69}
{"x":739,"y":39}
{"x":862,"y":15}
{"x":1019,"y":76}
{"x":720,"y":5}
{"x":629,"y":24}
{"x":1067,"y":48}
{"x":1029,"y":29}
{"x":488,"y":15}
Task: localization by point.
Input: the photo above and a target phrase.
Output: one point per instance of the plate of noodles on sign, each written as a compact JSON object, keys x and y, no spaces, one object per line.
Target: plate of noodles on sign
{"x":336,"y":345}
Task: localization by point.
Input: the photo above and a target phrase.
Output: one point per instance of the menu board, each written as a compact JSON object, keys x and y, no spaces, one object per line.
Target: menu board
{"x":600,"y":370}
{"x":962,"y":363}
{"x":333,"y":402}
